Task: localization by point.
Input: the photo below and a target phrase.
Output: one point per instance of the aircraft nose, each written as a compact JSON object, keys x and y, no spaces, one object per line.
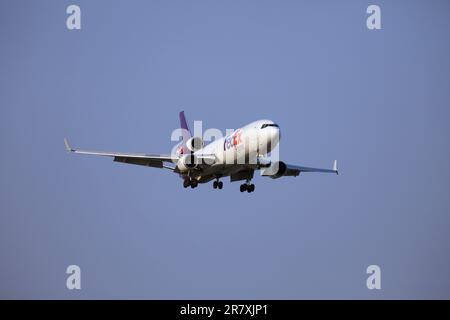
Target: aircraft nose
{"x":278,"y":133}
{"x":275,"y":135}
{"x":275,"y":131}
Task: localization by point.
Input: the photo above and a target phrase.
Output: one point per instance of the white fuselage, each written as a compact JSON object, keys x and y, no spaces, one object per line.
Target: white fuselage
{"x":250,"y":140}
{"x":243,"y":146}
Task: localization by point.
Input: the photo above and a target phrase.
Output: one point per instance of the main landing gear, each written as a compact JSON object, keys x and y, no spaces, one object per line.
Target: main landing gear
{"x":247,"y":187}
{"x":192,"y":183}
{"x":217,"y":184}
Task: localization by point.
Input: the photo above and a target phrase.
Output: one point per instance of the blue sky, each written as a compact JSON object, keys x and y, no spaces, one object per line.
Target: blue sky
{"x":378,"y":101}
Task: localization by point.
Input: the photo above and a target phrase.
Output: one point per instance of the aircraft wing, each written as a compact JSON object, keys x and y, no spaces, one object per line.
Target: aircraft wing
{"x":148,"y":160}
{"x":294,"y":170}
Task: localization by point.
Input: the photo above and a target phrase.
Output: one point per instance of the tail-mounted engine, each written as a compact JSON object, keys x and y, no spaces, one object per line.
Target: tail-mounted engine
{"x":194,"y":144}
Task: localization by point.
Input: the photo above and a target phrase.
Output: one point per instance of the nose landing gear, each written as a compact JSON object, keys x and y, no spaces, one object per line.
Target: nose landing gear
{"x":217,"y":184}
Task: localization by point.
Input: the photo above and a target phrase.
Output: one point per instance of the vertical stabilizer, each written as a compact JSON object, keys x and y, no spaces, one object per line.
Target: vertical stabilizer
{"x":186,"y":132}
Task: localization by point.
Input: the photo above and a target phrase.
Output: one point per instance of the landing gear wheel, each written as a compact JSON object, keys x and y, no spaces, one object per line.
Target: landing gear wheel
{"x":215,"y":184}
{"x":194,"y":184}
{"x":220,"y":184}
{"x":243,"y":187}
{"x":250,"y":188}
{"x":186,"y":183}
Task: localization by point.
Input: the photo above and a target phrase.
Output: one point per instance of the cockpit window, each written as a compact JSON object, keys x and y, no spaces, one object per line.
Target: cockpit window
{"x":265,"y":125}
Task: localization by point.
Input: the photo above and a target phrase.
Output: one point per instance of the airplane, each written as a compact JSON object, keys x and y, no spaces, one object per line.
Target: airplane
{"x":237,"y":155}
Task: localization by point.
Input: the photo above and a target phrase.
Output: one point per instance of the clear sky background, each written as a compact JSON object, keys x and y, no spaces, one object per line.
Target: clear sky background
{"x":378,"y":101}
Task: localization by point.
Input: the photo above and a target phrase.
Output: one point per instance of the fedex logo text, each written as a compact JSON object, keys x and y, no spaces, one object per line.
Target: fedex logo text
{"x":233,"y":140}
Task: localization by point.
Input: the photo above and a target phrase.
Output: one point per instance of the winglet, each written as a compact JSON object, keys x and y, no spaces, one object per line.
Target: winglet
{"x":68,"y":148}
{"x":335,"y":167}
